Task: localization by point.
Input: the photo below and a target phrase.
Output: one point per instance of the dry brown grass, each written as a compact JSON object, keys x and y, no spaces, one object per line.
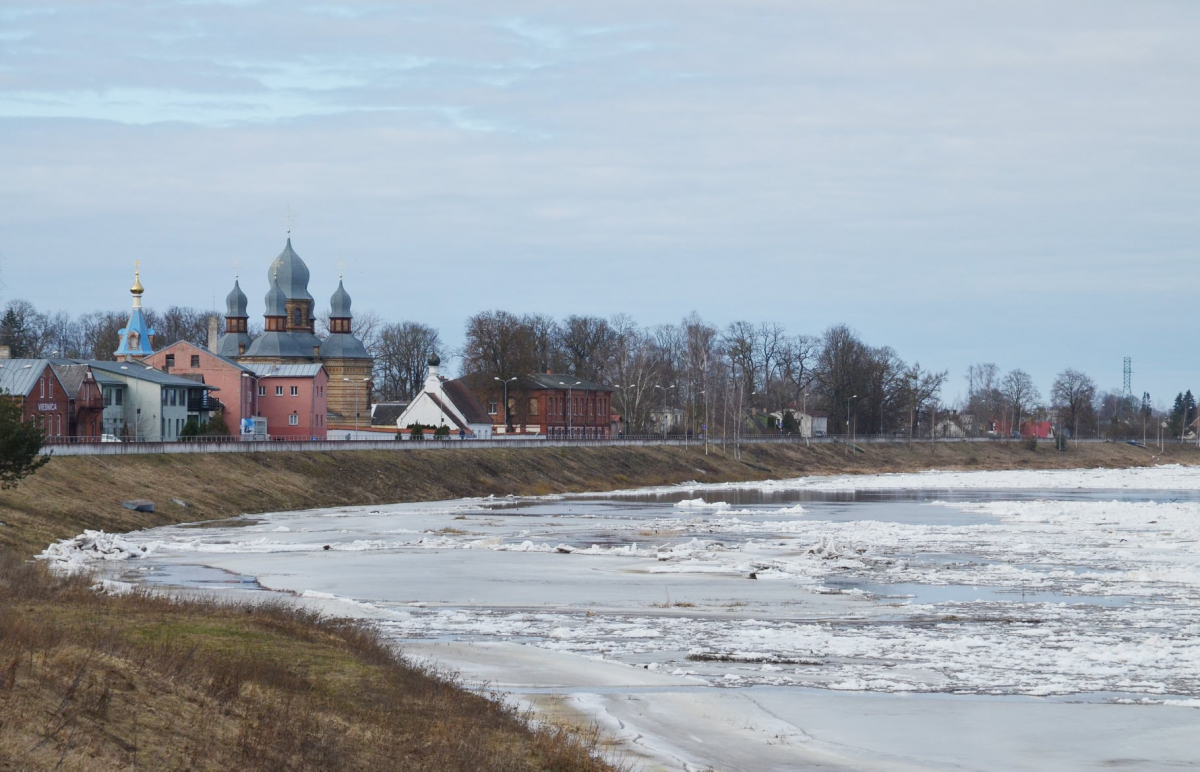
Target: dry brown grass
{"x":93,"y":682}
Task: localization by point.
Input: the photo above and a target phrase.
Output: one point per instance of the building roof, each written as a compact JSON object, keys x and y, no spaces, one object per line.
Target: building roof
{"x":387,"y":413}
{"x":343,"y":346}
{"x":293,"y":345}
{"x":288,"y":371}
{"x":235,"y":302}
{"x":339,"y":304}
{"x":18,"y":376}
{"x":292,"y":273}
{"x":70,"y":376}
{"x":141,"y":372}
{"x":465,"y":402}
{"x":229,"y":344}
{"x":555,"y":381}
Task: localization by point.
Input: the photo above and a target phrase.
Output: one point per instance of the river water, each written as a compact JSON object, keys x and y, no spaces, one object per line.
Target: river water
{"x":1030,"y":620}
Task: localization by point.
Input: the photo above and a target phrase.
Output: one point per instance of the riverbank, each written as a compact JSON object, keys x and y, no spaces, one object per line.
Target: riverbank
{"x":72,"y":494}
{"x":92,"y":681}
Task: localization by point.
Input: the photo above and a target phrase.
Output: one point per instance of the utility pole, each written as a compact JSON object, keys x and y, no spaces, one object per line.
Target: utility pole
{"x":507,"y":422}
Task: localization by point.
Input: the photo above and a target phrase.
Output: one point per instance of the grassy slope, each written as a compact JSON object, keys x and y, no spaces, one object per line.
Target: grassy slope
{"x":92,"y":682}
{"x":74,"y":493}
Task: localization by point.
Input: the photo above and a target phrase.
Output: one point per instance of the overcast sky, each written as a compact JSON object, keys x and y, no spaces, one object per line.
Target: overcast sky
{"x":990,"y":181}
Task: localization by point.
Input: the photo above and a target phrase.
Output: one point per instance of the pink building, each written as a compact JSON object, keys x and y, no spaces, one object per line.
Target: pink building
{"x":237,"y":385}
{"x":293,"y":399}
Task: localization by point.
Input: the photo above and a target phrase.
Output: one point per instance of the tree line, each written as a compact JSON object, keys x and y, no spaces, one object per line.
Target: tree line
{"x":696,"y":372}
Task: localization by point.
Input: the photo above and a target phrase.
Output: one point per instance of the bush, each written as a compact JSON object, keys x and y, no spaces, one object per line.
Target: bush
{"x":442,"y":432}
{"x":1031,"y":442}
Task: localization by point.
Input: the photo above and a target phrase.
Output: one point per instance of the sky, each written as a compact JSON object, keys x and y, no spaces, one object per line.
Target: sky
{"x":1012,"y":182}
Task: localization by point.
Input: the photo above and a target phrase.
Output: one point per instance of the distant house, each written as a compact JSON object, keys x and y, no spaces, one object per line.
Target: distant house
{"x":808,"y":424}
{"x":556,"y":406}
{"x":448,"y":403}
{"x":1042,"y":430}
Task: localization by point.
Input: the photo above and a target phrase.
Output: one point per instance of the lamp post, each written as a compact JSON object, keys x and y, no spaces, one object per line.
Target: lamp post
{"x":505,"y":381}
{"x":570,"y":407}
{"x":705,"y":393}
{"x":848,"y":401}
{"x":664,"y":412}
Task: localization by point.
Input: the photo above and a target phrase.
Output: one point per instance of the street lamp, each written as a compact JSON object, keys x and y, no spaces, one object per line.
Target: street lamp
{"x":505,"y":381}
{"x":852,"y":397}
{"x":570,"y":407}
{"x":705,"y":393}
{"x":664,"y":413}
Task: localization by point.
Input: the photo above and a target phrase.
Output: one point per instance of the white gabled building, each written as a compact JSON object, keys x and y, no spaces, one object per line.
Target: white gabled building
{"x":447,"y":403}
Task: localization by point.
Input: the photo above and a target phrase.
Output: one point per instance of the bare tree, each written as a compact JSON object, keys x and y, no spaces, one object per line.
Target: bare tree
{"x":589,"y":343}
{"x":401,"y":357}
{"x":1072,"y":394}
{"x":1019,"y":393}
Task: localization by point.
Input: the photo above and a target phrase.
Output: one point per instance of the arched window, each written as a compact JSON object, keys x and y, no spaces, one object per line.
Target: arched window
{"x":296,"y":317}
{"x":133,"y":340}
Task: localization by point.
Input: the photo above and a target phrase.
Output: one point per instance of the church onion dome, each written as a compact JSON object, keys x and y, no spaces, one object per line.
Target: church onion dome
{"x":339,"y":304}
{"x":236,"y":302}
{"x":137,"y":288}
{"x":291,"y":273}
{"x":434,"y":360}
{"x":276,"y":299}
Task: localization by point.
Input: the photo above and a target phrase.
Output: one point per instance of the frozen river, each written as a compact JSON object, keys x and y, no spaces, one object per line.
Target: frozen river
{"x":989,"y":620}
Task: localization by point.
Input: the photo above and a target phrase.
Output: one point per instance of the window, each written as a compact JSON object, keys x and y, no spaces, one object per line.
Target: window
{"x":295,"y":391}
{"x":170,"y":361}
{"x":533,"y":406}
{"x":195,"y":360}
{"x":262,"y":391}
{"x":174,"y":397}
{"x":293,"y":420}
{"x":108,"y":397}
{"x":51,"y":387}
{"x":492,"y":409}
{"x":42,"y":388}
{"x":120,"y":396}
{"x":296,"y":317}
{"x":278,"y":391}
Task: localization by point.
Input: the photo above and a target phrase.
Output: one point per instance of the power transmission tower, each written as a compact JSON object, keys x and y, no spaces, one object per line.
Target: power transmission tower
{"x":1127,"y":392}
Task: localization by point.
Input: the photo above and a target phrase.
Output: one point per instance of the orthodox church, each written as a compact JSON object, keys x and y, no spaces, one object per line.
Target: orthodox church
{"x":289,"y":335}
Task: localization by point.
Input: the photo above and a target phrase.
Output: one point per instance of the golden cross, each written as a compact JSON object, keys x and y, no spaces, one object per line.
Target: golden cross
{"x":237,"y":268}
{"x":341,"y":269}
{"x":137,"y":267}
{"x":288,"y":217}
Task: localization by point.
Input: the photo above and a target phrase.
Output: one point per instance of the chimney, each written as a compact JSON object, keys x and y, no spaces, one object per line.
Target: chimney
{"x":213,"y":332}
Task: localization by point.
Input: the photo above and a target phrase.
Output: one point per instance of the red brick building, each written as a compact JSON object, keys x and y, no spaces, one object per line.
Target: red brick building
{"x":44,"y":397}
{"x":556,"y":407}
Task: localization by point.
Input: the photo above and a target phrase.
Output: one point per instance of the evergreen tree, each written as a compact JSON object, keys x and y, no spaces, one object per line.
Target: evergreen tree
{"x":216,"y":426}
{"x":20,"y":443}
{"x":1147,"y":410}
{"x":13,"y":333}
